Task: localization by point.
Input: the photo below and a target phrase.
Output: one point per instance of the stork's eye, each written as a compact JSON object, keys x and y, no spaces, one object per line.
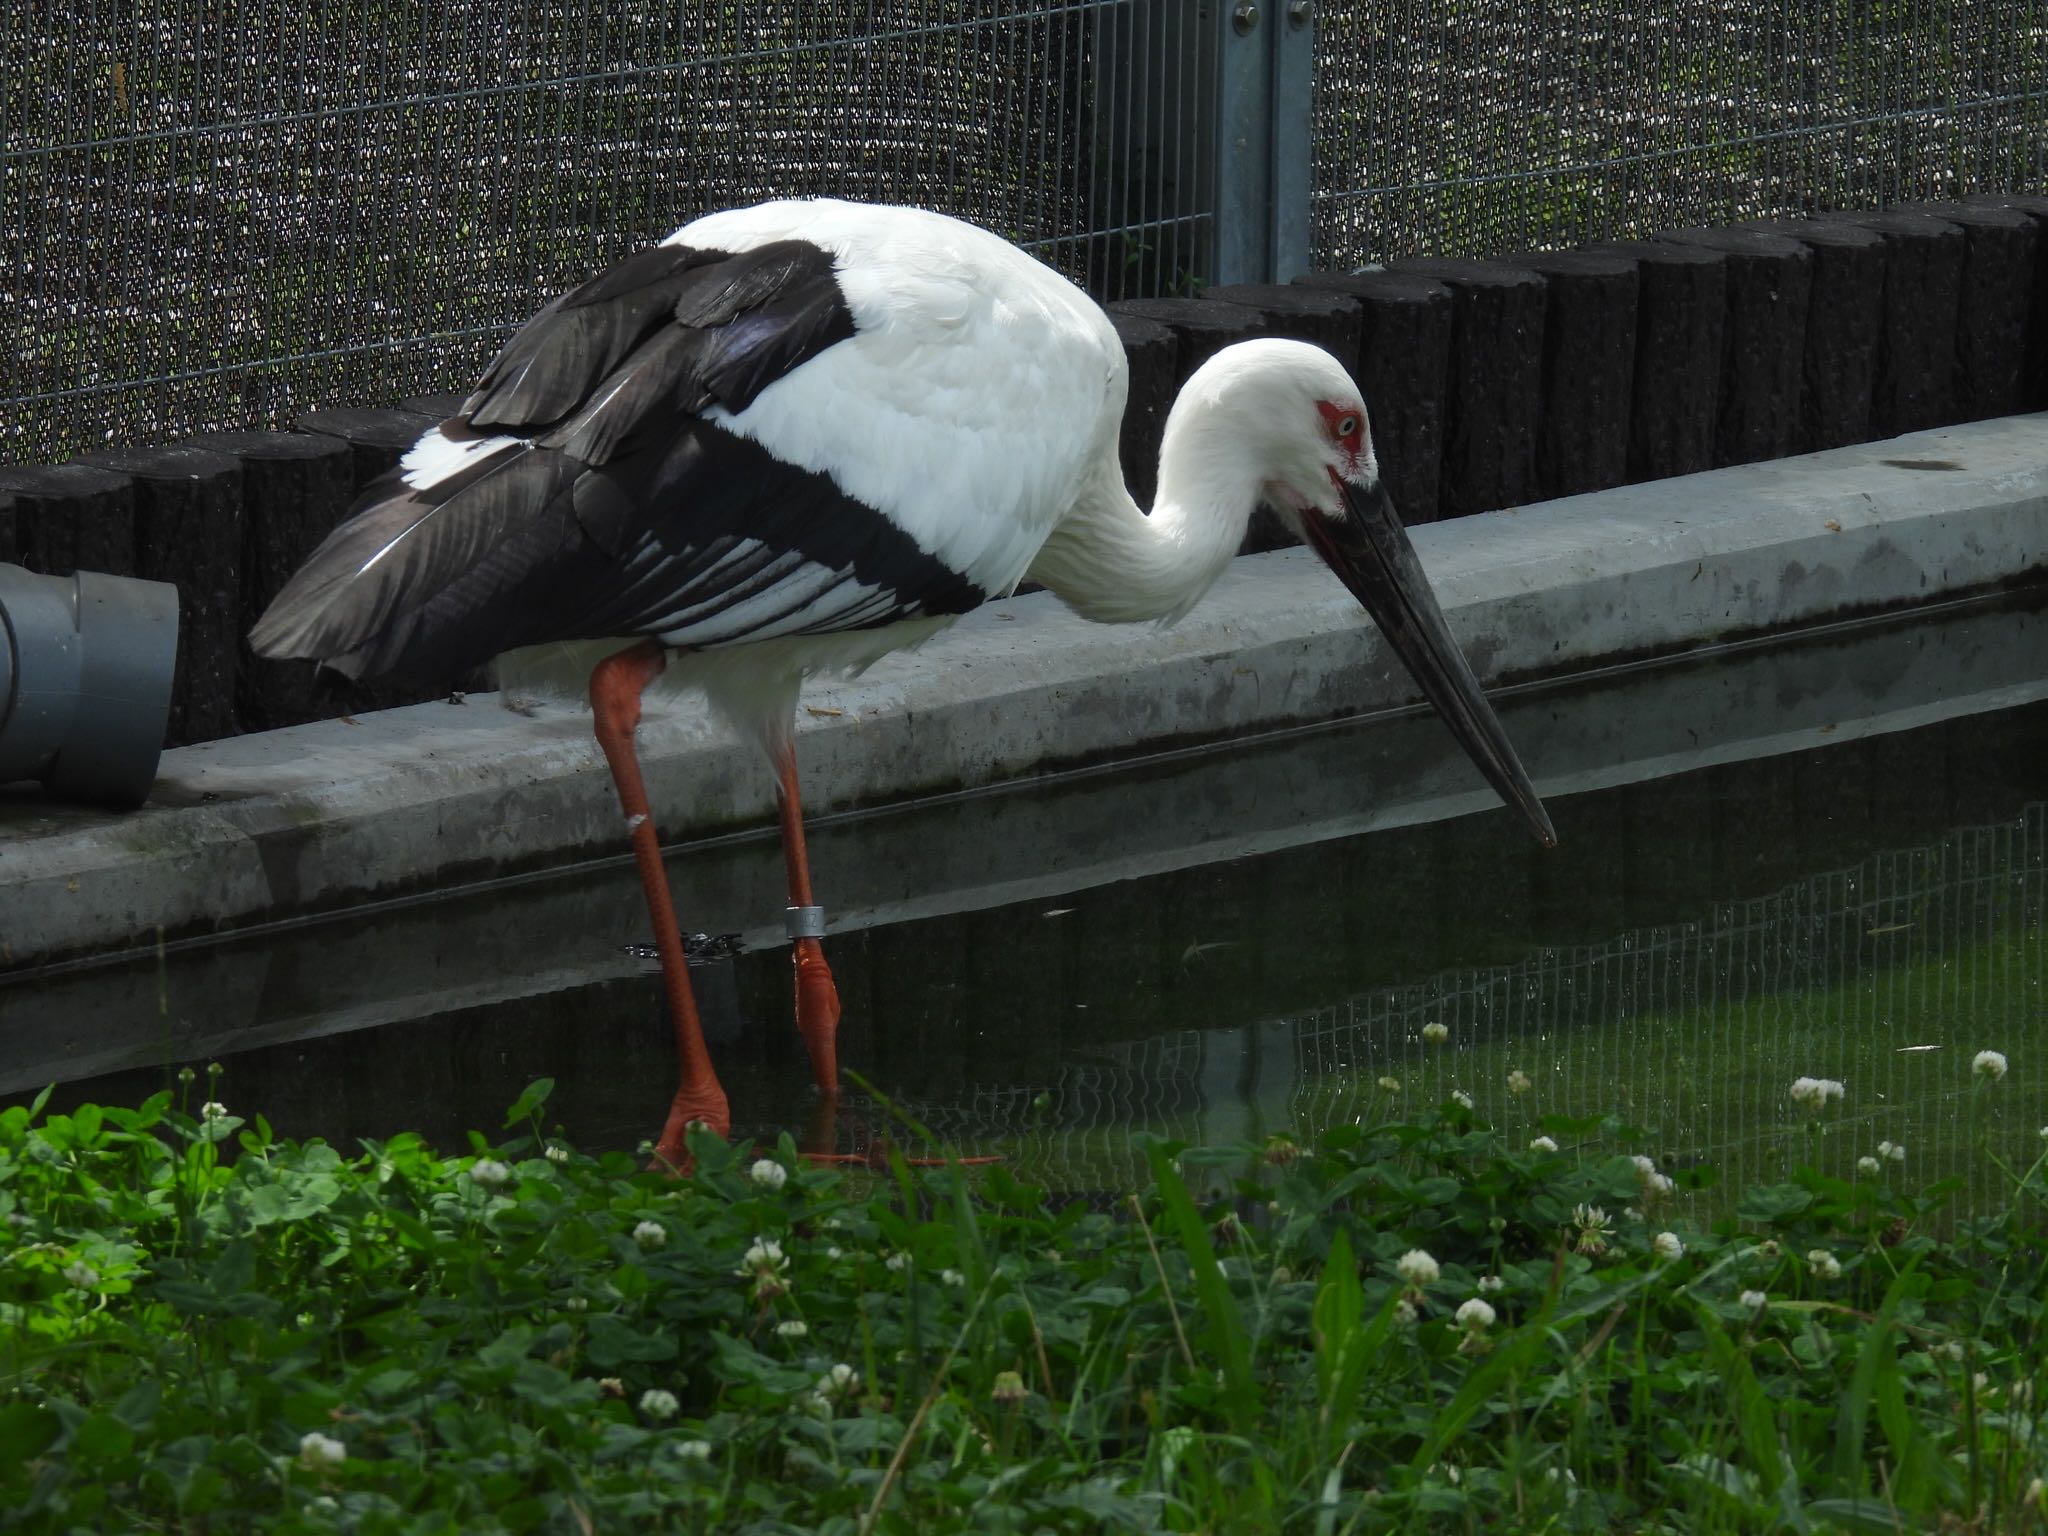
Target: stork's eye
{"x":1347,"y":426}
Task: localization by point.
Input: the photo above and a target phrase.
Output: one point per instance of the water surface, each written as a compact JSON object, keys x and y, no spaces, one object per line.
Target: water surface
{"x":1827,"y":858}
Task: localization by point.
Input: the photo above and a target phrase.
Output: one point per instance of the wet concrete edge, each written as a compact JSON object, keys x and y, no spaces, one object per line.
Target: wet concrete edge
{"x":319,"y":816}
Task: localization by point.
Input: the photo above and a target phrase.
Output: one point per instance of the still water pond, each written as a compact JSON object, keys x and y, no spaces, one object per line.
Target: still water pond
{"x":1828,"y":859}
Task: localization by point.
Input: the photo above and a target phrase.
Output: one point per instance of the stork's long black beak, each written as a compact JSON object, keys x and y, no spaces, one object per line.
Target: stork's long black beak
{"x":1370,"y":552}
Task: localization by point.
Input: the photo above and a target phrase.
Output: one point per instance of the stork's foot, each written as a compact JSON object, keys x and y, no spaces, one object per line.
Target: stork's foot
{"x":817,"y":1013}
{"x":706,"y":1108}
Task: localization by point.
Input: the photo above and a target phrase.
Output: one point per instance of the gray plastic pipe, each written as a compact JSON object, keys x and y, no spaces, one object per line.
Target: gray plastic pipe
{"x":86,"y":663}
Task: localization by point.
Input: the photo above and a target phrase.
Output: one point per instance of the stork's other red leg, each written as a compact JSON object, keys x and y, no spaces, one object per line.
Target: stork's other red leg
{"x":817,"y":999}
{"x":616,"y":684}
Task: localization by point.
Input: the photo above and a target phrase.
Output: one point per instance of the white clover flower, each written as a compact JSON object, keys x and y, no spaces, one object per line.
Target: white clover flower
{"x":1542,"y":1144}
{"x":763,"y":1263}
{"x":792,"y":1328}
{"x":1756,"y":1301}
{"x":2037,"y":1493}
{"x":1989,"y":1064}
{"x":1668,"y":1245}
{"x":898,"y":1262}
{"x":1814,"y":1092}
{"x":1518,"y":1082}
{"x":1868,"y":1165}
{"x":1824,"y":1264}
{"x":1417,"y":1268}
{"x":1404,"y":1312}
{"x":318,"y":1450}
{"x":650,"y":1234}
{"x":305,"y":1320}
{"x":1393,"y":1085}
{"x":1475,"y":1316}
{"x":694,"y":1450}
{"x":1654,"y":1182}
{"x":1897,"y":1153}
{"x":1491,"y":1284}
{"x":951,"y":1277}
{"x":1463,"y":1098}
{"x":213,"y":1109}
{"x":1008,"y":1387}
{"x":817,"y":1405}
{"x":1593,"y":1228}
{"x":2044,"y":1133}
{"x":768,"y":1174}
{"x":658,"y":1404}
{"x":834,"y":1251}
{"x":1435,"y":1033}
{"x":1952,"y":1351}
{"x":1980,"y":1382}
{"x":490,"y":1173}
{"x":81,"y":1275}
{"x":841,"y":1381}
{"x":557,"y":1155}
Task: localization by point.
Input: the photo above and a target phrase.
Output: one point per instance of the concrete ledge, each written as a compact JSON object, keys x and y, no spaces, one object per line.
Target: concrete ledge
{"x":1066,"y":842}
{"x":319,"y":816}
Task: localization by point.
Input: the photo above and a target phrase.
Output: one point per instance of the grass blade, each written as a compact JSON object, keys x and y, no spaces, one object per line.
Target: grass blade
{"x":1754,"y":1416}
{"x":1226,"y":1323}
{"x":1851,"y":1466}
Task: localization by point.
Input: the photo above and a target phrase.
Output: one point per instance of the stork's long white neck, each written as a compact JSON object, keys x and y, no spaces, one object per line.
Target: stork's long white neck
{"x":1110,"y":562}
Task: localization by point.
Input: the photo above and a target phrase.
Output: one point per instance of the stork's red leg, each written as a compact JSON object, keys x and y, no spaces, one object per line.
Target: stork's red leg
{"x":616,"y":685}
{"x":817,"y":999}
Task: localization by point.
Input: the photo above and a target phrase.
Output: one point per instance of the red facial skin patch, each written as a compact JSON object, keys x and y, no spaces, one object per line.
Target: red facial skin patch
{"x":1352,"y":442}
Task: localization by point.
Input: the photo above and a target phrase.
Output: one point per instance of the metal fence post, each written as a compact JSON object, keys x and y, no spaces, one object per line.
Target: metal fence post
{"x":1266,"y":60}
{"x":1241,"y":250}
{"x":1294,"y":67}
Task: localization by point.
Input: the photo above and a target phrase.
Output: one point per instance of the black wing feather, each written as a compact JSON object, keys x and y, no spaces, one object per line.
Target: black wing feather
{"x":616,"y":508}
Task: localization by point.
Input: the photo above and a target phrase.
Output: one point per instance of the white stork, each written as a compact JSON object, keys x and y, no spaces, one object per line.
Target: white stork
{"x":795,"y":437}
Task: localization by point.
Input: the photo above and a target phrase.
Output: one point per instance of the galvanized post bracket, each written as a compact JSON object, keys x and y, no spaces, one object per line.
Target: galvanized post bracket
{"x":1294,"y":62}
{"x":1265,"y":68}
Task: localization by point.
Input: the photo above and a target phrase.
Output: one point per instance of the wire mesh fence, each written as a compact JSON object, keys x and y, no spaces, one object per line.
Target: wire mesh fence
{"x":220,"y":215}
{"x":1478,"y":130}
{"x":1887,"y":976}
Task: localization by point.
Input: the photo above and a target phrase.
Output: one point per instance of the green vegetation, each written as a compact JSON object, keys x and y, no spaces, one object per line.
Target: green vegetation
{"x":1433,"y":1326}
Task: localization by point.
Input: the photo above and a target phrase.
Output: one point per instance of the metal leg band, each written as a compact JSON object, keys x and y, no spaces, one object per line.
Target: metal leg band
{"x":803,"y":922}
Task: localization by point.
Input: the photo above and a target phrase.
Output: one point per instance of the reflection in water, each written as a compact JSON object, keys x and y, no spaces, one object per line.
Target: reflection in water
{"x":1888,"y":976}
{"x":1697,"y":941}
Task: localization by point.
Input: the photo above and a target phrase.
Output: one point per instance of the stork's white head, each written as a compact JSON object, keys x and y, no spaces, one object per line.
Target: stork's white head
{"x":1283,"y":414}
{"x":1283,"y":423}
